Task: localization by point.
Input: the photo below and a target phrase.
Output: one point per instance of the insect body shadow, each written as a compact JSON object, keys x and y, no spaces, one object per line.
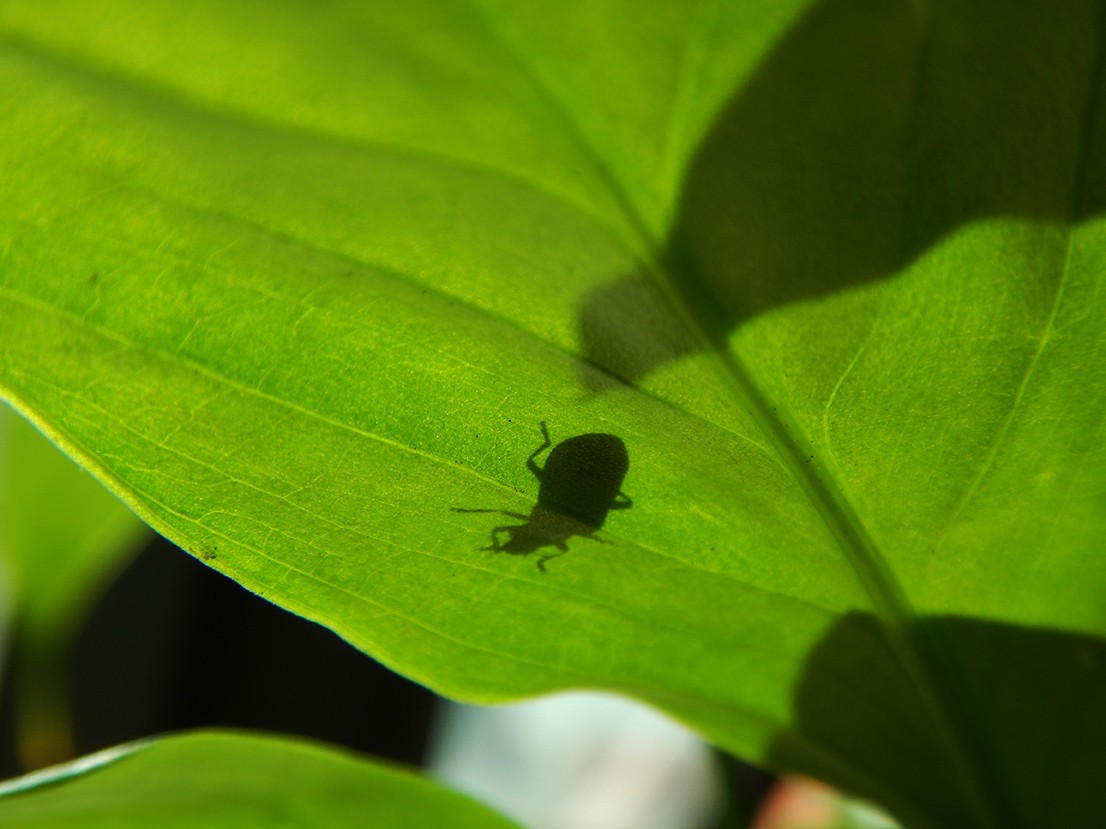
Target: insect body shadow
{"x":580,"y":483}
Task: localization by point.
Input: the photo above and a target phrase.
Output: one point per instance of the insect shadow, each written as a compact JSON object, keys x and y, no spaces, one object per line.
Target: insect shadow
{"x":580,"y":483}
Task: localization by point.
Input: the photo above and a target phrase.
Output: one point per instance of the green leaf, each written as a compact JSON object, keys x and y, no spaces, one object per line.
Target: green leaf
{"x":62,"y":538}
{"x":213,"y":778}
{"x":62,"y":535}
{"x":299,"y":282}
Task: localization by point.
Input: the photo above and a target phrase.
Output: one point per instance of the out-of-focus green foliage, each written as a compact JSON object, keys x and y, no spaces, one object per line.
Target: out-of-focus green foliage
{"x":62,"y":537}
{"x":218,"y":779}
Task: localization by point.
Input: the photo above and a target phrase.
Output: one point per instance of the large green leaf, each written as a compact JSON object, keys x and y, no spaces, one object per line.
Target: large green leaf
{"x":297,"y":281}
{"x":213,"y":779}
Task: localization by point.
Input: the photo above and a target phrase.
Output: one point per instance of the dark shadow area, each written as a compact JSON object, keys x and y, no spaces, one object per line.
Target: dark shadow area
{"x":580,"y":483}
{"x":175,"y":645}
{"x":875,"y":129}
{"x":1026,"y":706}
{"x":744,"y":791}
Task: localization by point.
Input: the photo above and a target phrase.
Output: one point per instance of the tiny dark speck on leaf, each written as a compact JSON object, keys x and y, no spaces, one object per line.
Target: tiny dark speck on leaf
{"x":92,"y":280}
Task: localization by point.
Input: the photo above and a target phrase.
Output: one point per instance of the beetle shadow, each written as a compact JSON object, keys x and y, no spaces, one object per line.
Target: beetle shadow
{"x":874,"y":130}
{"x":1023,"y":706}
{"x":580,"y":483}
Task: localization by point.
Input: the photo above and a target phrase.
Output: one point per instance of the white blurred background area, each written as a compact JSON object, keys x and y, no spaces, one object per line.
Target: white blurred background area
{"x":579,"y":760}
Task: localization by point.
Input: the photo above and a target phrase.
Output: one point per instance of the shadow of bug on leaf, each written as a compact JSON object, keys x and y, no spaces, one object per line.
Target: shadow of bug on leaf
{"x":580,"y":483}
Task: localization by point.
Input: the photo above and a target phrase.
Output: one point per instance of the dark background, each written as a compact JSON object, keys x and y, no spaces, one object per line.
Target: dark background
{"x":174,"y":645}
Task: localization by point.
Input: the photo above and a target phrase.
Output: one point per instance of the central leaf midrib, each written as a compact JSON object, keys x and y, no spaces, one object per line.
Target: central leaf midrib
{"x":785,"y":437}
{"x":793,"y":448}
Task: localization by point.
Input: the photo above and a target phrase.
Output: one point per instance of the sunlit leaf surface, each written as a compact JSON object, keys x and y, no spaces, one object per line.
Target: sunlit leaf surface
{"x":299,"y":281}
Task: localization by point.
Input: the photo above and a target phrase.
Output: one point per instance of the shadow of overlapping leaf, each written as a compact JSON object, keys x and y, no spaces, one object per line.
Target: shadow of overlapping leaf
{"x":873,"y":131}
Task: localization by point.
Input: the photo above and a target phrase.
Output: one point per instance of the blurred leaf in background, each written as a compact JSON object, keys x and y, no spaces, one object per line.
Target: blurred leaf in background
{"x":229,"y":780}
{"x":62,"y":539}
